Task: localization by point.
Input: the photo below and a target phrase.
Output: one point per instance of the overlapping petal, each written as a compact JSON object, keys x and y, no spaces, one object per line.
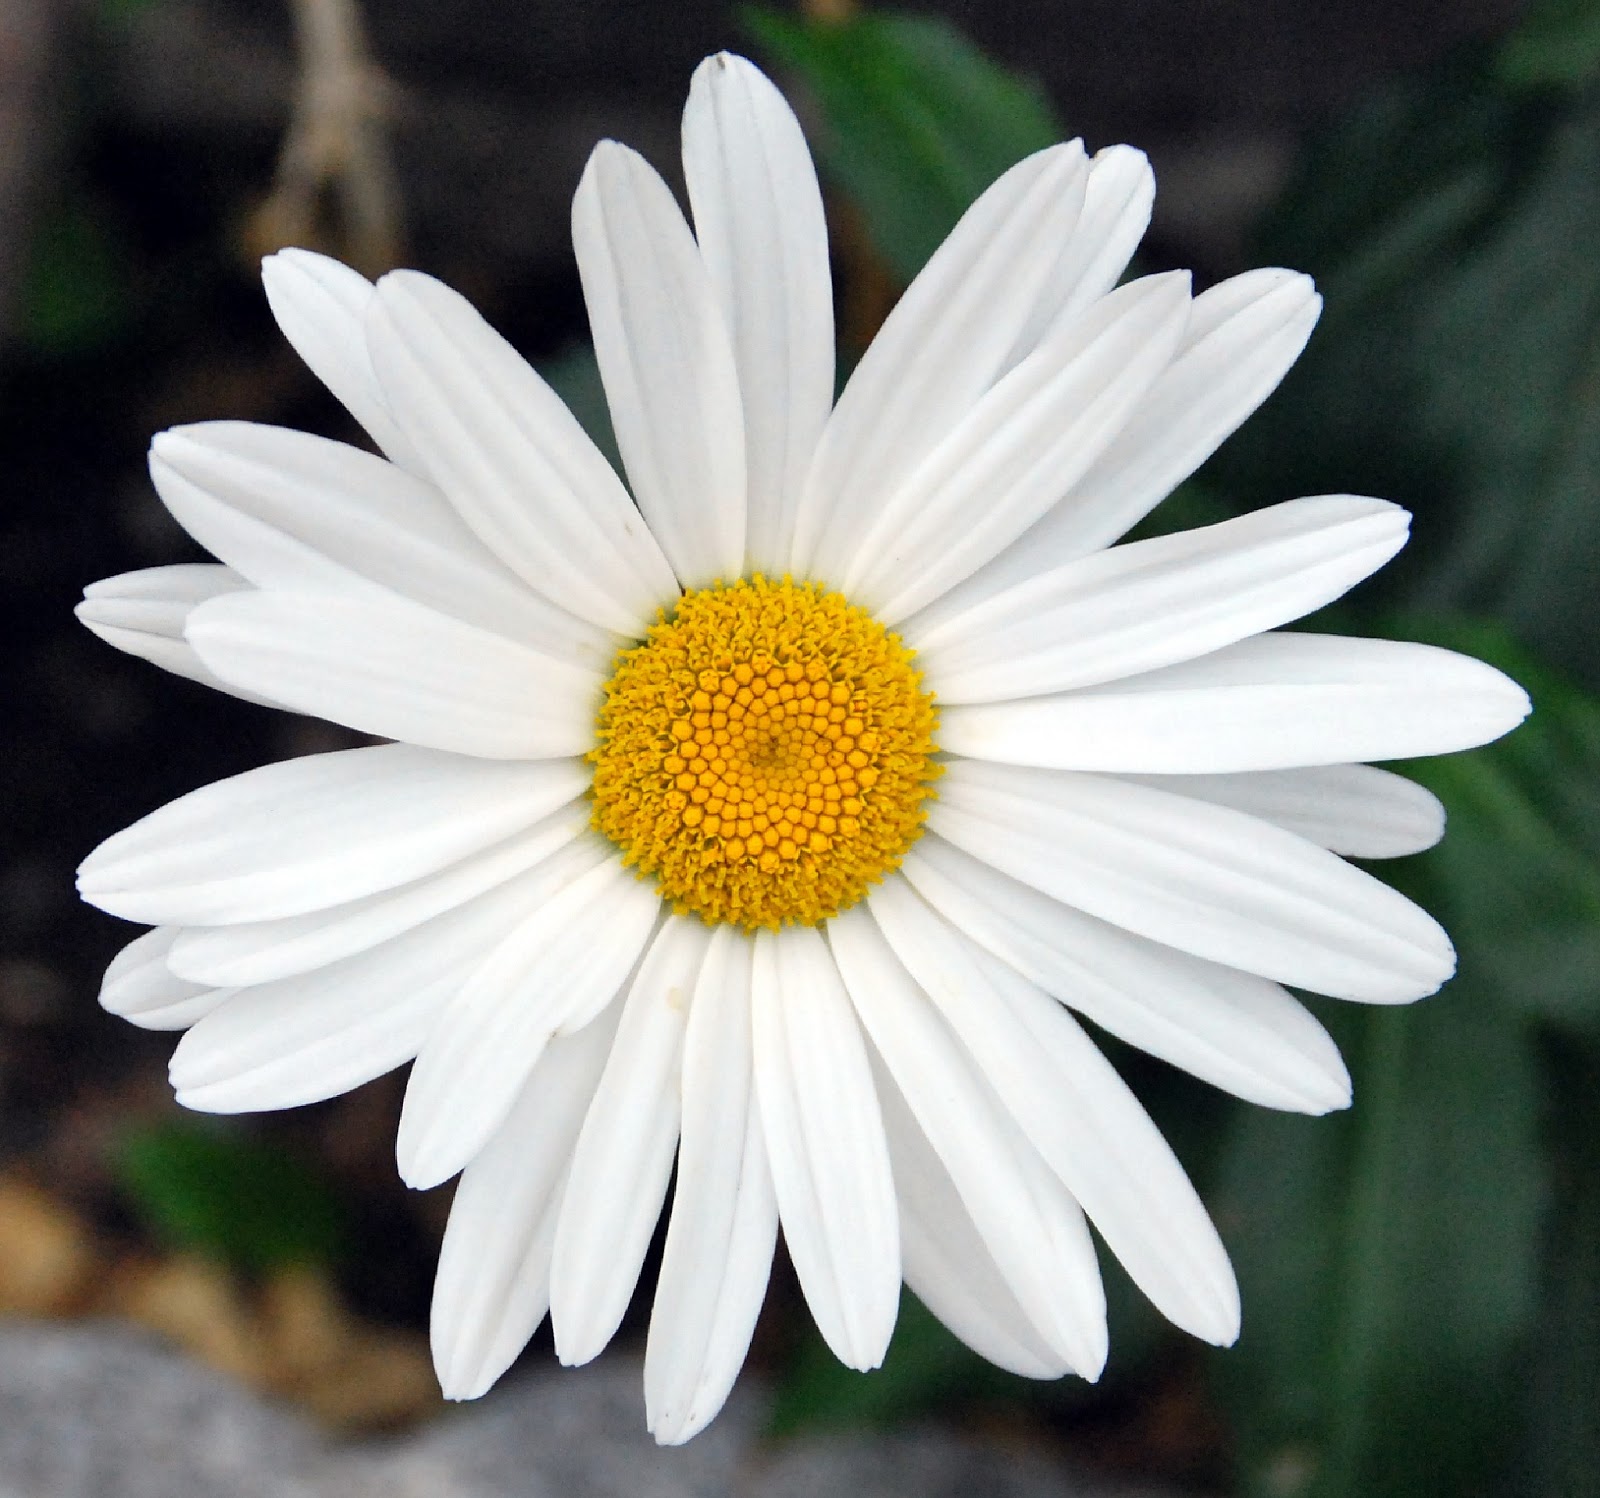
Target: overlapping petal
{"x":1266,"y":703}
{"x":1155,"y":603}
{"x":512,"y":459}
{"x":389,"y":667}
{"x":1196,"y":876}
{"x":759,"y":224}
{"x":939,"y":350}
{"x":144,"y":613}
{"x":724,"y":1220}
{"x":307,"y":834}
{"x":667,"y":361}
{"x":825,"y":1141}
{"x":301,"y":514}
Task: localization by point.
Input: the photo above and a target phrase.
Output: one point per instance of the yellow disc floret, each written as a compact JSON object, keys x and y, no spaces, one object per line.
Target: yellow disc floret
{"x":764,"y":754}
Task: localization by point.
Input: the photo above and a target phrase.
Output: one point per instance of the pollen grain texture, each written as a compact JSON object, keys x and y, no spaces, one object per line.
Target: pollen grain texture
{"x":764,"y":754}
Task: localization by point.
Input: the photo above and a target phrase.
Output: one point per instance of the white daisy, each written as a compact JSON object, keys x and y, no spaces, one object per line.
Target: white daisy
{"x":796,"y":884}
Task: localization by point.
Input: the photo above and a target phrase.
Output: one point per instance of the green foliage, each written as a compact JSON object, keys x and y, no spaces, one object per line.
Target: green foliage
{"x":74,"y":292}
{"x":214,"y":1191}
{"x":1517,"y":878}
{"x":1388,"y":1260}
{"x":916,"y":121}
{"x":1557,"y":46}
{"x":1451,"y":225}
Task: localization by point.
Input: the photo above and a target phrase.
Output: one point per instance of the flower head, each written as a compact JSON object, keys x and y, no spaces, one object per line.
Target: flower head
{"x":775,"y":819}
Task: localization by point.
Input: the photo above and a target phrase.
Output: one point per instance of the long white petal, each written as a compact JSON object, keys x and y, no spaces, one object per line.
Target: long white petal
{"x":311,"y":833}
{"x":1077,"y":1112}
{"x":264,"y":951}
{"x":1266,"y":703}
{"x":1243,"y":335}
{"x":511,"y":458}
{"x":724,"y":1221}
{"x":301,"y":514}
{"x":392,"y":668}
{"x":1232,"y":1029}
{"x":1357,"y":810}
{"x":947,"y":1264}
{"x":321,"y":307}
{"x":563,"y":964}
{"x":143,"y":614}
{"x":1018,"y":450}
{"x":1153,"y":603}
{"x":759,"y":222}
{"x":1196,"y":876}
{"x":302,"y":1039}
{"x":1118,"y":196}
{"x":623,"y":1158}
{"x":941,"y":347}
{"x":492,"y":1287}
{"x":141,"y":988}
{"x":667,"y":362}
{"x":830,"y":1163}
{"x":1035,"y":1234}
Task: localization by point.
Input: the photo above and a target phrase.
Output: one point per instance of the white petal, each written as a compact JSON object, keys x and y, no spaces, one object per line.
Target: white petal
{"x":938,"y":351}
{"x":398,"y":670}
{"x":301,"y":514}
{"x":1243,"y":335}
{"x":1356,"y":810}
{"x":1198,"y":877}
{"x":1018,"y":450}
{"x":310,"y":833}
{"x":1266,"y":703}
{"x":830,"y":1163}
{"x":1232,"y":1029}
{"x":302,"y":1039}
{"x":623,"y":1159}
{"x":143,"y":613}
{"x":1077,"y":1112}
{"x":321,"y":308}
{"x":724,"y":1216}
{"x":264,"y":951}
{"x":1153,"y":603}
{"x":759,"y":222}
{"x":511,"y":458}
{"x":562,"y":965}
{"x":947,"y":1264}
{"x":141,"y":988}
{"x":1032,"y":1229}
{"x":667,"y":362}
{"x":492,"y":1288}
{"x":1116,"y":211}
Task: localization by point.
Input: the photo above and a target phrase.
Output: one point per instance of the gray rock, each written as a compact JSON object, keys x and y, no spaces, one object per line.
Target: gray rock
{"x":103,"y":1411}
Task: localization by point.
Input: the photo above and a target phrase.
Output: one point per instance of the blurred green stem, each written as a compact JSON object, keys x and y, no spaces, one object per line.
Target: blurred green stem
{"x":1373,"y":1184}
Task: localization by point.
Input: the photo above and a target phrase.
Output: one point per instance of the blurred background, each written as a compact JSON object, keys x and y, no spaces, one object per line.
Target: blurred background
{"x":1421,"y":1277}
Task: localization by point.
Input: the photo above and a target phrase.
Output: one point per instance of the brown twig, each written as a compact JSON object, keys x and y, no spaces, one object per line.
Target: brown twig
{"x":335,"y":185}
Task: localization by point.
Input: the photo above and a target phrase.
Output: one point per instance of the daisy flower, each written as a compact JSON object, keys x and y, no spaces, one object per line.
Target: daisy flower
{"x":775,"y":819}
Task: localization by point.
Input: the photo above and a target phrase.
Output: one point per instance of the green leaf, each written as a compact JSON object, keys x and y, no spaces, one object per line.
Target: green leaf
{"x":1556,"y":46}
{"x":1561,"y":1452}
{"x":220,"y":1193}
{"x":1517,"y":878}
{"x":916,"y":121}
{"x":74,"y":292}
{"x":1451,"y":226}
{"x":1388,"y":1260}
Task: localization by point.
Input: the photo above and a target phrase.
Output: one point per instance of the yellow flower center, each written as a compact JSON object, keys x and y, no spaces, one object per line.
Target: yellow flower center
{"x":764,"y":754}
